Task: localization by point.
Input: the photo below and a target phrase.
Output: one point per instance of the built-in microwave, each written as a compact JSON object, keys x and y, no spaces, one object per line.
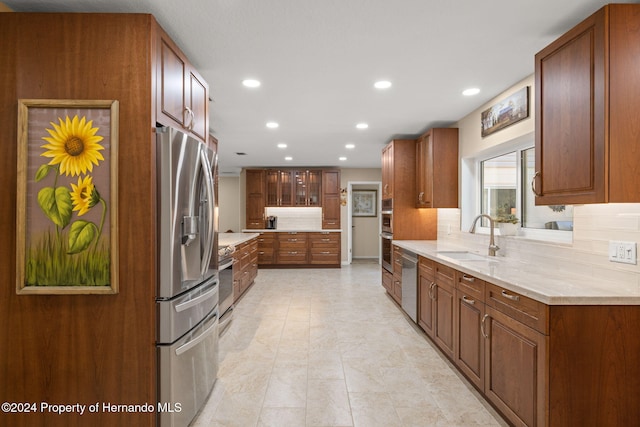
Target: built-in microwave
{"x":386,"y":214}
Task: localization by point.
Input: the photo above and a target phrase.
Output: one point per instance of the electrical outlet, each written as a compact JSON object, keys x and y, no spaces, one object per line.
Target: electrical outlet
{"x":624,"y":252}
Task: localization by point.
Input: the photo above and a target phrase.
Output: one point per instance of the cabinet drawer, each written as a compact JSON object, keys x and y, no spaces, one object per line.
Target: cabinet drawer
{"x":387,"y":281}
{"x":265,"y":256}
{"x":324,"y":256}
{"x":292,"y":257}
{"x":292,"y":245}
{"x":445,"y":276}
{"x":427,"y":267}
{"x":523,"y":309}
{"x":320,"y":240}
{"x":470,"y":287}
{"x":266,"y":238}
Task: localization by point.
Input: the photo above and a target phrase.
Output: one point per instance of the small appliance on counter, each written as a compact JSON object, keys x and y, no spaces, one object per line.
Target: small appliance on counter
{"x":272,"y":222}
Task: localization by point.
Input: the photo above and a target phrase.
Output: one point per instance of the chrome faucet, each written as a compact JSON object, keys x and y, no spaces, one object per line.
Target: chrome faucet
{"x":492,"y":242}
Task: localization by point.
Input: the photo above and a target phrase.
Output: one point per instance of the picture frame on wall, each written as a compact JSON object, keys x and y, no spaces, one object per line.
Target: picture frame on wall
{"x":364,"y":203}
{"x":67,"y":210}
{"x":510,"y":110}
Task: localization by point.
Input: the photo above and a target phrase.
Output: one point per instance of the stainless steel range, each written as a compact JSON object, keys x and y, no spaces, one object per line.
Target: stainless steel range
{"x":225,"y":272}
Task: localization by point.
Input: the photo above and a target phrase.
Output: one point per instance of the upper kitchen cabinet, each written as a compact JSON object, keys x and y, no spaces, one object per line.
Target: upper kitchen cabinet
{"x":308,"y":187}
{"x":331,"y":199}
{"x":587,"y":102}
{"x":183,"y":95}
{"x":437,"y":169}
{"x":279,"y":187}
{"x":399,"y":184}
{"x":387,"y":171}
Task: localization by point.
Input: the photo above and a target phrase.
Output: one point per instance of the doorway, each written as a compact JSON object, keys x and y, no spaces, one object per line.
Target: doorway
{"x":363,"y":228}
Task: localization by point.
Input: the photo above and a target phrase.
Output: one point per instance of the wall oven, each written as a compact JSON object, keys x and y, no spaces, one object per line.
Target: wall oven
{"x":387,"y":233}
{"x":386,"y":251}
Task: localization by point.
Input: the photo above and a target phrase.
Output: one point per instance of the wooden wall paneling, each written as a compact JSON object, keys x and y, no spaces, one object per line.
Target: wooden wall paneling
{"x":82,"y":348}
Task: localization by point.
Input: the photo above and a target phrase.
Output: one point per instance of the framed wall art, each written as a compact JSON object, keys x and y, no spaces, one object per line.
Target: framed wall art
{"x":66,"y":234}
{"x":506,"y":112}
{"x":364,"y":203}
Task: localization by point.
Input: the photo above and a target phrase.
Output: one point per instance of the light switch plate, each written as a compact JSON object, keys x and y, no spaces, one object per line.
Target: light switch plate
{"x":624,"y":252}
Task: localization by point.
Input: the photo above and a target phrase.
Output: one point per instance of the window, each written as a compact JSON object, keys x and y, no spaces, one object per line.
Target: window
{"x":506,"y":191}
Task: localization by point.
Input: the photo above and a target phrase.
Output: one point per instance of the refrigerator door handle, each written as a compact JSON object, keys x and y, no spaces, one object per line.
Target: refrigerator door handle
{"x":208,"y":179}
{"x":190,"y":344}
{"x":197,"y":300}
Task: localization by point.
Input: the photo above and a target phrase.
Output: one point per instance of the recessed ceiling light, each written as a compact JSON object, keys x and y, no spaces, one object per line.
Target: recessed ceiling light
{"x":362,"y":125}
{"x":288,"y":158}
{"x":272,"y":125}
{"x":251,"y":83}
{"x":350,"y":146}
{"x":382,"y":84}
{"x":282,"y":145}
{"x":342,"y":159}
{"x":471,"y":91}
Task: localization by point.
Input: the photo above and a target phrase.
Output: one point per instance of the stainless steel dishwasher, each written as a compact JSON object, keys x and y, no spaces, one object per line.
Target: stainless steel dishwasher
{"x":410,"y":284}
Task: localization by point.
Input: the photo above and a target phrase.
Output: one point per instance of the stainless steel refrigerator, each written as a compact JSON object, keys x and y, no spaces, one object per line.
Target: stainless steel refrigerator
{"x":188,"y":285}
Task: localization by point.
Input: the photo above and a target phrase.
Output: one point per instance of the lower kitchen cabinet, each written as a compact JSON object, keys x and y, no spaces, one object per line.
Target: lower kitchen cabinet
{"x":468,"y":349}
{"x":426,"y":296}
{"x":299,"y":249}
{"x":515,"y":369}
{"x":292,"y":248}
{"x":387,"y":281}
{"x":444,"y":309}
{"x":538,"y":365}
{"x":245,"y":266}
{"x":266,"y":252}
{"x":396,"y":262}
{"x":324,"y":248}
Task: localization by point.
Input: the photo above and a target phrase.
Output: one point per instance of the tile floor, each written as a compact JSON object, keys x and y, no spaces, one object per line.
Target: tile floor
{"x":328,"y":347}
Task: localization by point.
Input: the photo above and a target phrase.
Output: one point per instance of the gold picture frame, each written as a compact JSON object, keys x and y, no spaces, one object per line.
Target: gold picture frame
{"x":67,"y":204}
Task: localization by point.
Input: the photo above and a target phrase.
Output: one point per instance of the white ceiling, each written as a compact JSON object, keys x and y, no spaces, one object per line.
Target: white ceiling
{"x":318,"y":59}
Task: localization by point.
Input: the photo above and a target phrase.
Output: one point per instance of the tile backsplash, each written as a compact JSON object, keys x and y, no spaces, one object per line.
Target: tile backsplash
{"x":297,"y":218}
{"x":588,"y":254}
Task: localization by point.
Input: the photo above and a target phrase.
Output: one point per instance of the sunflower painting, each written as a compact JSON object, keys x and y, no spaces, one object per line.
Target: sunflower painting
{"x":66,"y":207}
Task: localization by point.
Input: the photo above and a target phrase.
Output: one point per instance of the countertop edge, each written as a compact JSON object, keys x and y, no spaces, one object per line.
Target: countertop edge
{"x":292,"y":230}
{"x":429,"y":249}
{"x":232,"y":239}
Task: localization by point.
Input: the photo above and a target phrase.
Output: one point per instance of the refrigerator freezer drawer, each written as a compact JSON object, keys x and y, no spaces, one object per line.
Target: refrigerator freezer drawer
{"x":187,"y":372}
{"x":178,"y":315}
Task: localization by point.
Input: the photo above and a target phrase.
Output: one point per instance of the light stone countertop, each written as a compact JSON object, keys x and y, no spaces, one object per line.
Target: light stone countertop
{"x":549,"y":286}
{"x":232,"y":239}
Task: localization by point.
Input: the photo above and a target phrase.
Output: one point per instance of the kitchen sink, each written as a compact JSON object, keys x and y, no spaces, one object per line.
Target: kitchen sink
{"x":463,"y":256}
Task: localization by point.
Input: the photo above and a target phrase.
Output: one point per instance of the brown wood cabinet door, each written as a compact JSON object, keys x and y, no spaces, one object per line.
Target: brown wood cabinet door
{"x":198,"y":105}
{"x":515,"y":369}
{"x":272,"y":187}
{"x":173,"y":71}
{"x":443,"y":325}
{"x":307,"y":187}
{"x":387,"y":171}
{"x":331,"y":199}
{"x":285,"y":185}
{"x":255,"y":198}
{"x":424,"y":171}
{"x":469,"y":341}
{"x":426,"y":298}
{"x":570,"y":116}
{"x":314,"y":188}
